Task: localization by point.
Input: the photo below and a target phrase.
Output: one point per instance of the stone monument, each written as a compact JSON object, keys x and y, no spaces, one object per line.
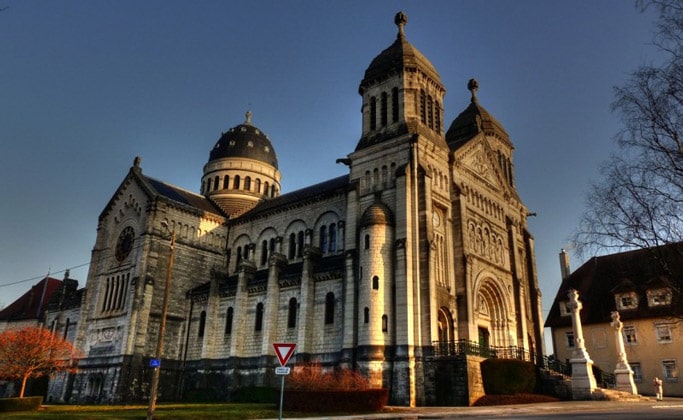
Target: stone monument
{"x":583,"y":381}
{"x":623,"y":373}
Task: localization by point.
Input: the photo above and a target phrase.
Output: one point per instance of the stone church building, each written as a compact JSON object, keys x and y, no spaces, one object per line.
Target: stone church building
{"x":421,"y":246}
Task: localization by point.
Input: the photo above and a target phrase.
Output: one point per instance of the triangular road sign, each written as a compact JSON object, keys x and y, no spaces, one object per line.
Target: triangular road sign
{"x":284,"y":351}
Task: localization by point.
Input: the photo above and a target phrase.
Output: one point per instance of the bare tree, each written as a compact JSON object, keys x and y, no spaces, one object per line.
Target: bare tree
{"x":639,"y":201}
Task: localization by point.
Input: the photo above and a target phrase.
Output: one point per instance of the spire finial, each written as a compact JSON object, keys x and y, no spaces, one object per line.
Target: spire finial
{"x":400,"y":20}
{"x":473,"y":86}
{"x":248,"y":117}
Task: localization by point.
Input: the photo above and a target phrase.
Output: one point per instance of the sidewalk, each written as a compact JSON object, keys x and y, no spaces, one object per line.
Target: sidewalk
{"x":567,"y":407}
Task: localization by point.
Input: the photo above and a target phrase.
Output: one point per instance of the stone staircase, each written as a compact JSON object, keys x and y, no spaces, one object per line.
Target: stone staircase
{"x":603,"y":394}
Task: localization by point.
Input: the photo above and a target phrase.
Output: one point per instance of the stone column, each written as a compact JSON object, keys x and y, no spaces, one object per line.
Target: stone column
{"x":623,"y":373}
{"x":583,"y":381}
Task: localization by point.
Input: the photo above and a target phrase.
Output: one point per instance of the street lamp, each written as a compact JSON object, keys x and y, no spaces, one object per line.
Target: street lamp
{"x":162,"y":329}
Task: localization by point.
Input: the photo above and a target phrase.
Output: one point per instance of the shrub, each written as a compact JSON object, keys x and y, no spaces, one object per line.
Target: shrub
{"x":508,"y":376}
{"x":312,"y":377}
{"x":20,"y":404}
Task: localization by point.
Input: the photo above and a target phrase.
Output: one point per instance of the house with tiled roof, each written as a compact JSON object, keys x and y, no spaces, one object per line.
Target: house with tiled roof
{"x":29,"y":309}
{"x":644,"y":287}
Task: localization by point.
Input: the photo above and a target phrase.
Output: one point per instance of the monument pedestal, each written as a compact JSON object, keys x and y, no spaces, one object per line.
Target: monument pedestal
{"x":624,"y":379}
{"x":583,"y":380}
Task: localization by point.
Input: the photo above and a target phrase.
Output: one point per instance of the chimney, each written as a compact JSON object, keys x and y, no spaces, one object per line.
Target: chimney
{"x":564,"y":264}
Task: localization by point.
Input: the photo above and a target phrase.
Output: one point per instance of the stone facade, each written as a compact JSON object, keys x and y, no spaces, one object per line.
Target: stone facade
{"x":424,"y":241}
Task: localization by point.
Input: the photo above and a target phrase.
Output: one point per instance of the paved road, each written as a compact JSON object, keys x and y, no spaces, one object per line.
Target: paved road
{"x":670,"y":408}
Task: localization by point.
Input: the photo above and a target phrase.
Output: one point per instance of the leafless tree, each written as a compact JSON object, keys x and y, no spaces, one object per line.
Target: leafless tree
{"x":638,"y":203}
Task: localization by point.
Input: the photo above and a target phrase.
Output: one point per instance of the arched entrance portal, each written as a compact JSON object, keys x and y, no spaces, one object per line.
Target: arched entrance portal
{"x":492,"y":315}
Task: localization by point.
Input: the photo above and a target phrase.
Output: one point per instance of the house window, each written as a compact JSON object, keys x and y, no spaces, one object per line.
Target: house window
{"x":367,"y":241}
{"x":66,"y":328}
{"x":329,"y":308}
{"x":385,"y":323}
{"x":630,"y":334}
{"x":300,"y":244}
{"x":236,"y":182}
{"x":228,"y":321}
{"x":659,"y":297}
{"x":626,"y":300}
{"x":291,"y":315}
{"x":570,"y":339}
{"x":375,"y":283}
{"x":215,"y":182}
{"x":637,"y":373}
{"x":247,"y":183}
{"x":663,"y":332}
{"x":670,"y":370}
{"x":373,"y":113}
{"x":258,"y":324}
{"x":226,"y":182}
{"x":202,"y":324}
{"x":366,"y":315}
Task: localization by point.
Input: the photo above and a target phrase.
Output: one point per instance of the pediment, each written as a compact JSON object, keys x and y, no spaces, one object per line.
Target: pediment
{"x":477,"y":161}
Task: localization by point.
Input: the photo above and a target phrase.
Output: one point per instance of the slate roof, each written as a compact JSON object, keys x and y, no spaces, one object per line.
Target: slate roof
{"x":32,"y":304}
{"x":306,"y":194}
{"x":600,"y":278}
{"x":182,"y":196}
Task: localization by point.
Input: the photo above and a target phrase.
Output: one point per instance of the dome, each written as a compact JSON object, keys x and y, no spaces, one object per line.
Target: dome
{"x":377,"y":214}
{"x":472,"y":121}
{"x":400,"y":55}
{"x":244,"y":141}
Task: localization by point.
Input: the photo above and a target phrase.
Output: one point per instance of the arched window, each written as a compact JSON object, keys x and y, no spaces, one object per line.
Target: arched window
{"x":375,"y":283}
{"x":332,"y":246}
{"x":202,"y":324}
{"x":383,"y":109}
{"x":226,"y":182}
{"x":373,"y":113}
{"x":291,"y":314}
{"x":430,"y":112}
{"x":291,"y":251}
{"x":264,"y":252}
{"x":300,"y":244}
{"x":367,"y":241}
{"x":437,"y":117}
{"x":423,"y":114}
{"x":208,"y":185}
{"x":366,"y":315}
{"x":271,"y":245}
{"x":266,"y":186}
{"x":394,"y":104}
{"x":385,"y":323}
{"x":215,"y":182}
{"x":258,"y":324}
{"x":323,"y":239}
{"x":247,"y":183}
{"x":202,"y":189}
{"x":66,"y":328}
{"x":329,"y":308}
{"x":236,"y":182}
{"x":228,"y":320}
{"x":258,"y":185}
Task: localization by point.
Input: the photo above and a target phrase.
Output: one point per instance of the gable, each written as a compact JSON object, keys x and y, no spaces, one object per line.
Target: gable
{"x":476,"y":162}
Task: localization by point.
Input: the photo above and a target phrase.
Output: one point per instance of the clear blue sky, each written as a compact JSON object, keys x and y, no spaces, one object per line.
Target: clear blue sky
{"x":85,"y":86}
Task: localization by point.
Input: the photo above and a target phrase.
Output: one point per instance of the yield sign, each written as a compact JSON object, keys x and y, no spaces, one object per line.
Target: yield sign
{"x":284,"y":351}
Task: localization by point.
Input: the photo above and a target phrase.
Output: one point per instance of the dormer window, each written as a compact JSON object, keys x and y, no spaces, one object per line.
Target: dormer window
{"x":659,"y":297}
{"x":626,"y":301}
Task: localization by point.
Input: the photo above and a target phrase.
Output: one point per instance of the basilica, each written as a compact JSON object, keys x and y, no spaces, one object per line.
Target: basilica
{"x":421,"y":247}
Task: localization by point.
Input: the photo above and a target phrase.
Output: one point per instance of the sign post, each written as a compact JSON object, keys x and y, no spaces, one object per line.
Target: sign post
{"x":283,"y":351}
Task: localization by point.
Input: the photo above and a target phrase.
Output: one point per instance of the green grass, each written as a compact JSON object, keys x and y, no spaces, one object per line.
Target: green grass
{"x":163,"y":411}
